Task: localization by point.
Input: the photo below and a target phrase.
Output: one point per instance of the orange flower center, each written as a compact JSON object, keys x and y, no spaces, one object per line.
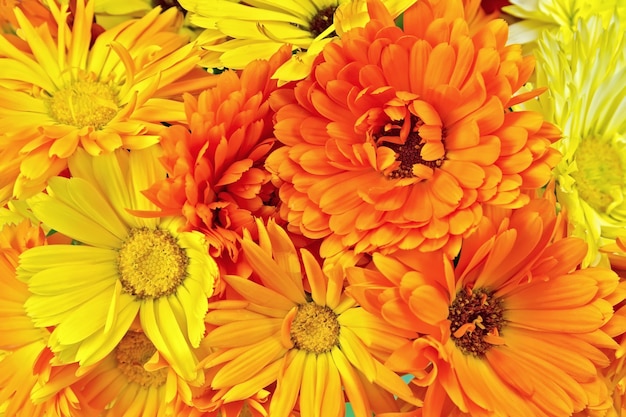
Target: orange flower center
{"x":132,"y":353}
{"x":408,"y":153}
{"x":151,"y":263}
{"x":321,"y":21}
{"x":475,"y":318}
{"x":315,"y":328}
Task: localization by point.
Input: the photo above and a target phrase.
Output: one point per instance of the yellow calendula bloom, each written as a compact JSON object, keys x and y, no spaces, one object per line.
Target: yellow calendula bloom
{"x":60,"y":93}
{"x":122,"y":267}
{"x":110,"y":13}
{"x":584,"y":73}
{"x":257,"y":29}
{"x":539,"y":16}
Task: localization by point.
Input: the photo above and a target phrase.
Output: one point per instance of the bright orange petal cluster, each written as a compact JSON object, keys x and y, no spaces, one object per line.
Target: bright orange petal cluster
{"x":512,"y":328}
{"x":215,"y":162}
{"x":399,"y":137}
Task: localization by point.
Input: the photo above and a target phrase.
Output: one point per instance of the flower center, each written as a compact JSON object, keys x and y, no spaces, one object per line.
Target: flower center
{"x":85,"y":102}
{"x":322,"y":20}
{"x":133,"y":351}
{"x":408,"y":153}
{"x":600,"y":175}
{"x":151,"y":263}
{"x":315,"y":328}
{"x":474,"y":316}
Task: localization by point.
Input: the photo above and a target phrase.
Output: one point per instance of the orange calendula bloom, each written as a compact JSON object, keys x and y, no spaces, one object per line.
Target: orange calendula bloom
{"x":514,"y":329}
{"x":214,"y":163}
{"x":316,"y":345}
{"x":134,"y":380}
{"x":60,"y":93}
{"x":400,"y":137}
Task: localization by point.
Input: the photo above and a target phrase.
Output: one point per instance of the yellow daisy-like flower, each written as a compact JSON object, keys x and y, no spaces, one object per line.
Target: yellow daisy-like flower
{"x":317,"y":345}
{"x":539,"y":16}
{"x":59,"y":93}
{"x":588,"y":64}
{"x":123,"y":266}
{"x":257,"y":29}
{"x":110,"y":13}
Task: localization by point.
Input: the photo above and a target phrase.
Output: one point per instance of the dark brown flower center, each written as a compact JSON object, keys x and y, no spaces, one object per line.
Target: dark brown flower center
{"x":474,"y":315}
{"x":408,"y":153}
{"x":322,"y":20}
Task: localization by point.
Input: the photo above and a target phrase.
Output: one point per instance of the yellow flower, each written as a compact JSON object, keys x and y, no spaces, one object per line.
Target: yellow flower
{"x":586,"y":97}
{"x":59,"y":93}
{"x":124,"y":266}
{"x":257,"y":29}
{"x":293,"y":325}
{"x":110,"y":13}
{"x":539,"y":16}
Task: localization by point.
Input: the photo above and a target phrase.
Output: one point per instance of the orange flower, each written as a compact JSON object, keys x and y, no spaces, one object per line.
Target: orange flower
{"x":33,"y":9}
{"x":215,"y":165}
{"x":514,"y":329}
{"x":134,"y":380}
{"x":315,"y":346}
{"x":400,"y":136}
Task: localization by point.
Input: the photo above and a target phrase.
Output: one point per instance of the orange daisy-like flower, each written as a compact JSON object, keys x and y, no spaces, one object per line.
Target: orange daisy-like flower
{"x":215,"y":163}
{"x":61,"y":93}
{"x":400,"y":136}
{"x":134,"y":380}
{"x":316,"y":346}
{"x":514,"y":329}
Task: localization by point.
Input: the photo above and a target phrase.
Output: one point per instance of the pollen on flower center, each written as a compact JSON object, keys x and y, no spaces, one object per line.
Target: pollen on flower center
{"x":151,"y":263}
{"x":315,"y":328}
{"x":408,"y":153}
{"x":85,"y":102}
{"x":322,"y":20}
{"x":473,"y":316}
{"x":133,"y":351}
{"x":600,"y":175}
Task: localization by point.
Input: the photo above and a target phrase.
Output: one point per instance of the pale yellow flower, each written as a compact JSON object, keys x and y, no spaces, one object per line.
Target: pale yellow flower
{"x":539,"y":16}
{"x":240,"y":32}
{"x":584,"y":71}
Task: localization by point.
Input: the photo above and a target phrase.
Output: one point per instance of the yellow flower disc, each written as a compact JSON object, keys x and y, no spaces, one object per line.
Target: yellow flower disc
{"x":132,"y":353}
{"x":84,"y":103}
{"x":315,"y":328}
{"x":151,"y":263}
